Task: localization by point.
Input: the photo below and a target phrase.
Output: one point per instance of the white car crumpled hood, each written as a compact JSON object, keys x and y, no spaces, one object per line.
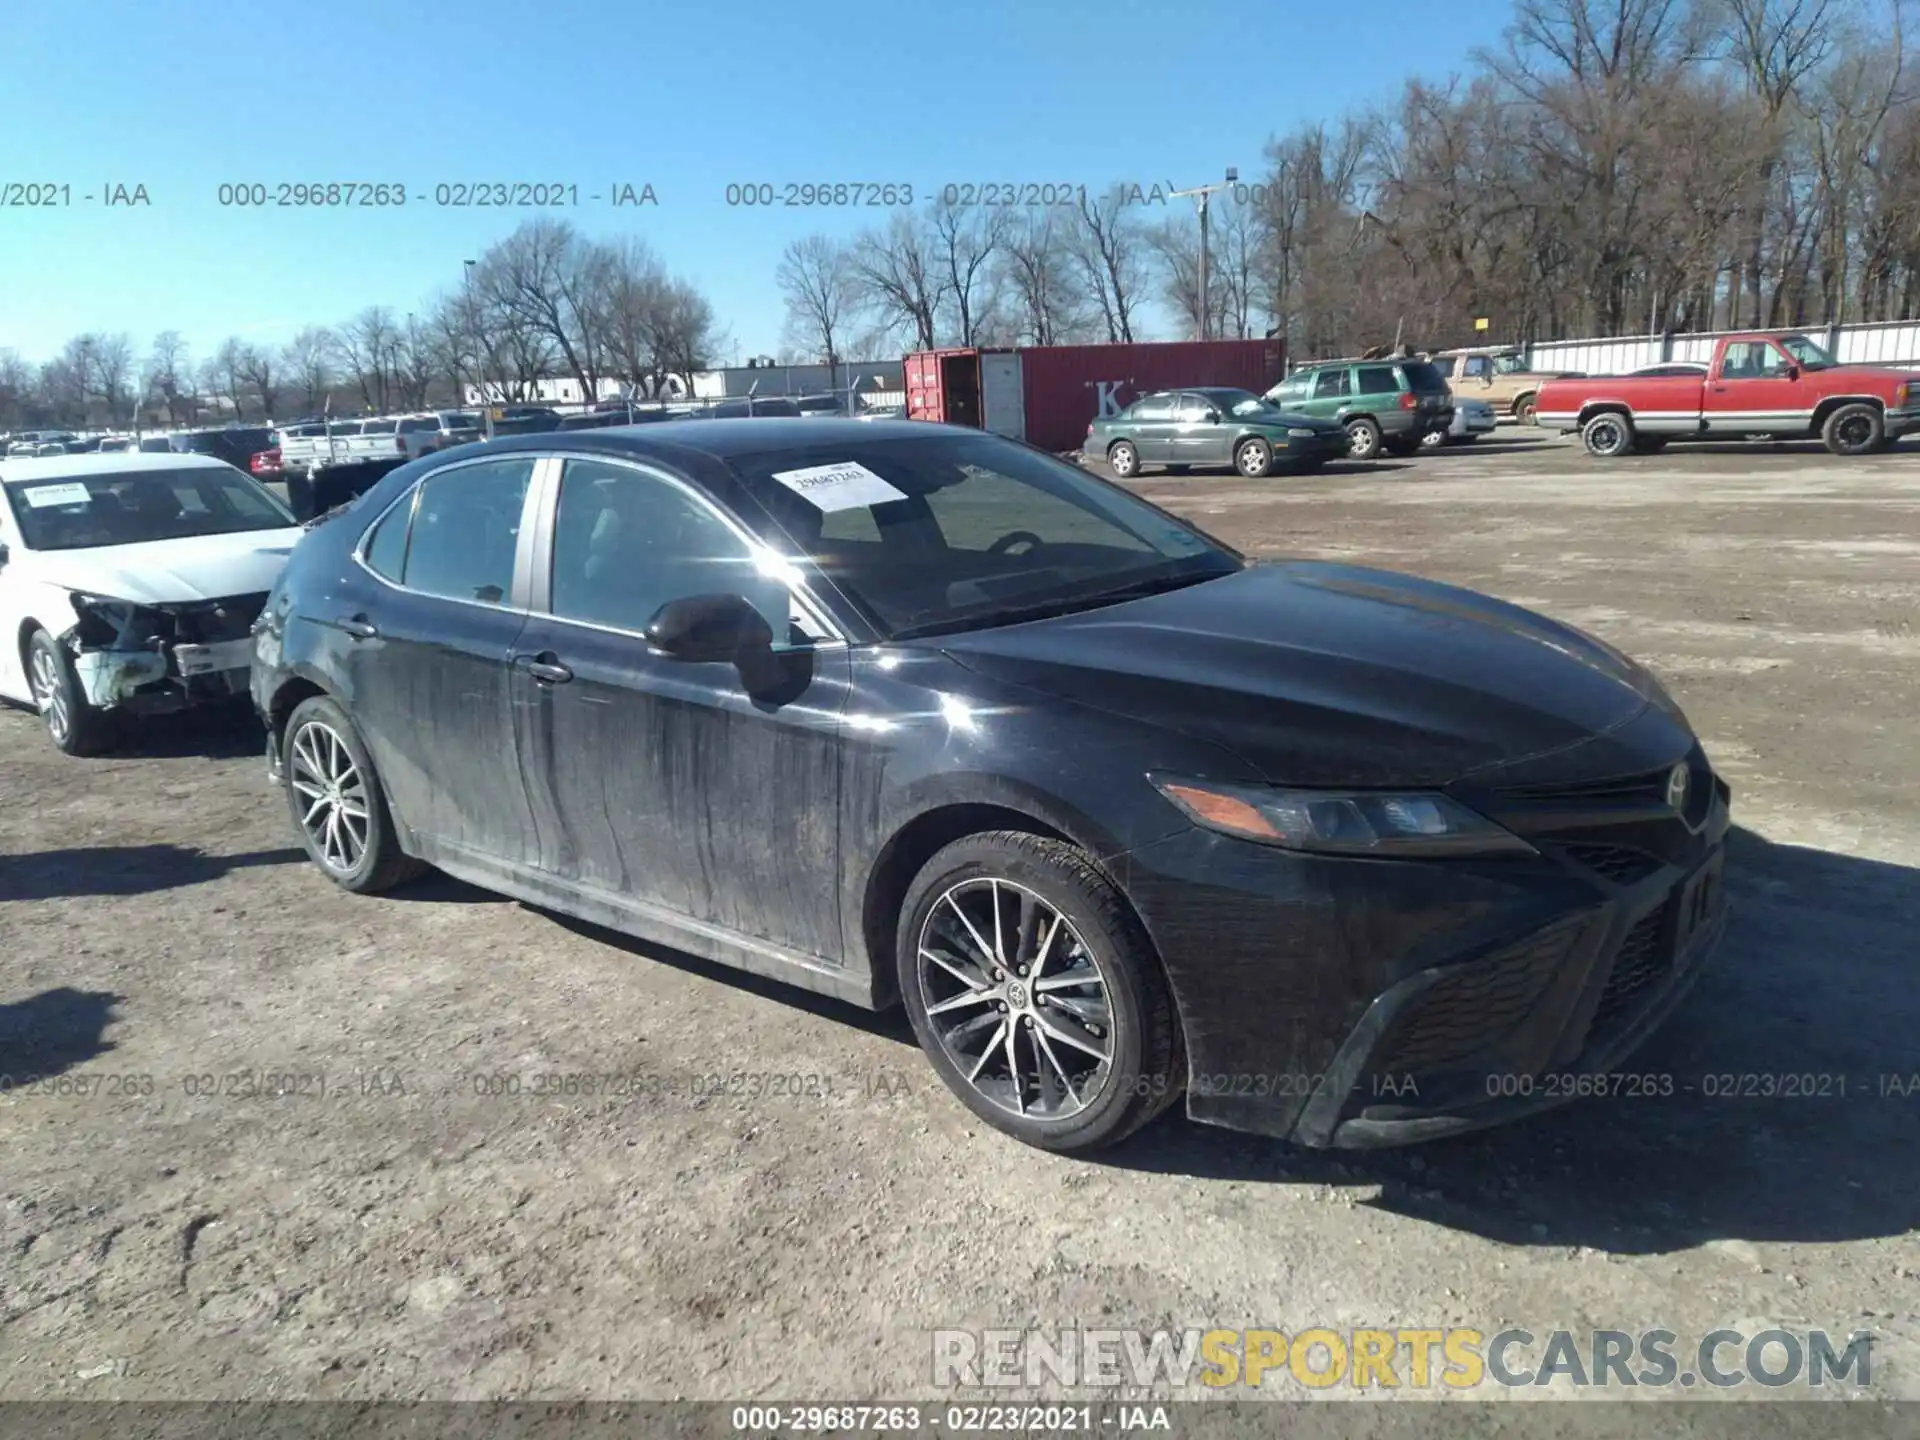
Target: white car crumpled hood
{"x":159,"y":572}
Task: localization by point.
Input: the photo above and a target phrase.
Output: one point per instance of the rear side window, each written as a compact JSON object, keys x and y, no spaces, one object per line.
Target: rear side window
{"x":1154,"y":407}
{"x":466,"y":529}
{"x":1378,"y":380}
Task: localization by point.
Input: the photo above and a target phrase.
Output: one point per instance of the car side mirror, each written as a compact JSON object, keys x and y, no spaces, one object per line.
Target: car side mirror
{"x":708,"y":628}
{"x":1793,"y":372}
{"x":1212,"y":417}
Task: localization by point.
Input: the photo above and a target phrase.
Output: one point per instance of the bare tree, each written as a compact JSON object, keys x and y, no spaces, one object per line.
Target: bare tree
{"x":257,"y":368}
{"x":166,"y":375}
{"x":816,"y":279}
{"x":1104,"y":240}
{"x":308,"y":360}
{"x":1045,"y":298}
{"x":896,"y":275}
{"x":365,"y":348}
{"x":965,"y":240}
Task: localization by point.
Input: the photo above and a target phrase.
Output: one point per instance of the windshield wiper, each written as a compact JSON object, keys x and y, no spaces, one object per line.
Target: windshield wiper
{"x":1057,"y":605}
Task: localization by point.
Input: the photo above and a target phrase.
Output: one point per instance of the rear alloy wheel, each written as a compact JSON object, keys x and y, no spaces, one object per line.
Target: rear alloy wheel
{"x":1363,"y":439}
{"x":336,"y":802}
{"x":1608,"y":435}
{"x":1858,"y":429}
{"x":1035,"y":992}
{"x":74,"y":726}
{"x":1253,"y":458}
{"x":1124,"y":459}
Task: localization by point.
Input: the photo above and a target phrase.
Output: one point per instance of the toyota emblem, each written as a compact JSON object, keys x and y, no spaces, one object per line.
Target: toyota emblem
{"x":1677,"y":787}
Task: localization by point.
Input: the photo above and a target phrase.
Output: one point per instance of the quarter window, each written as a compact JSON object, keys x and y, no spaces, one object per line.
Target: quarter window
{"x":465,"y":531}
{"x":626,"y":542}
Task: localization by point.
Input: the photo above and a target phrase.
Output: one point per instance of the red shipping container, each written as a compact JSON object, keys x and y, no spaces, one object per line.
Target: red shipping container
{"x":1049,"y":394}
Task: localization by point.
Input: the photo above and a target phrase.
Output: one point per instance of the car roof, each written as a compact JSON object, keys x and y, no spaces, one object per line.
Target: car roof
{"x":80,"y":467}
{"x":719,"y":439}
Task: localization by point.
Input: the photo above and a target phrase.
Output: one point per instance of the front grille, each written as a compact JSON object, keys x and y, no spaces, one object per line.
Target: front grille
{"x":1476,"y":1005}
{"x":209,"y":622}
{"x":1618,"y":863}
{"x":1644,"y":960}
{"x":1649,"y":788}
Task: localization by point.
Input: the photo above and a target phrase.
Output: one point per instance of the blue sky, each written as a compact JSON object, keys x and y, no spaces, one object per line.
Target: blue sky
{"x":186,"y":95}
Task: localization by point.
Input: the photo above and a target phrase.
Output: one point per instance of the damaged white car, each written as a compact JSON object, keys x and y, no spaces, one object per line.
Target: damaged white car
{"x":129,"y":585}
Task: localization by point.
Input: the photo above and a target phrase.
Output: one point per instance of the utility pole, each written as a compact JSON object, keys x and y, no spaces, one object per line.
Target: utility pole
{"x":1201,"y":194}
{"x":479,"y":359}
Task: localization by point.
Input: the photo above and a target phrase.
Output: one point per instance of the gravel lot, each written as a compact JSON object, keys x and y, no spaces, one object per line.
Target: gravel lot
{"x":392,"y":1230}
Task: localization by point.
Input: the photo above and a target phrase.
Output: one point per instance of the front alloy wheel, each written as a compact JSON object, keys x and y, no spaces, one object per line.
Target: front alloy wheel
{"x":1016,"y":998}
{"x":74,"y":726}
{"x":1035,"y":992}
{"x":1253,"y":459}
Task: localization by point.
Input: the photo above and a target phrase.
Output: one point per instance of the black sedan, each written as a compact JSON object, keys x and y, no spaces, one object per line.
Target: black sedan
{"x":913,"y":714}
{"x":1212,"y":427}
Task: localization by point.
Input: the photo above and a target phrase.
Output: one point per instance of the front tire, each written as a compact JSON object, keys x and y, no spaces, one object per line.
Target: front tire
{"x":1523,"y":410}
{"x":1036,"y":993}
{"x":74,"y":726}
{"x":1608,"y":435}
{"x":1858,"y":429}
{"x":1253,"y":458}
{"x":1363,"y":439}
{"x":1123,"y":459}
{"x":334,"y":797}
{"x":1435,"y":439}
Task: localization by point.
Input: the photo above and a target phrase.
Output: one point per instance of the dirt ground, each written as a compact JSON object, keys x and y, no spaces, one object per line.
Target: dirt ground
{"x":397,"y":1227}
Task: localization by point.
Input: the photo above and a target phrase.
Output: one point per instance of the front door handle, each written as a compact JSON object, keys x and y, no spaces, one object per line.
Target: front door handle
{"x":358,"y":626}
{"x":544,"y":667}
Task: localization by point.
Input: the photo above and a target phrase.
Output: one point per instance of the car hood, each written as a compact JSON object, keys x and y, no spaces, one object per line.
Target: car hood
{"x":1322,"y":674}
{"x":159,"y":572}
{"x":1292,"y":420}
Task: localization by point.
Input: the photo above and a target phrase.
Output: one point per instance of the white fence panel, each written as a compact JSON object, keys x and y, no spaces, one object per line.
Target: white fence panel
{"x":1597,"y":357}
{"x":1893,"y":344}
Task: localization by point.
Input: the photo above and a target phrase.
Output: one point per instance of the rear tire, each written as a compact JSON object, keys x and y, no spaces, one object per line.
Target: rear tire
{"x":1123,"y":459}
{"x":74,"y":726}
{"x":1608,"y":435}
{"x":1857,"y":429}
{"x":336,"y":803}
{"x":1363,"y":439}
{"x":1057,"y":1026}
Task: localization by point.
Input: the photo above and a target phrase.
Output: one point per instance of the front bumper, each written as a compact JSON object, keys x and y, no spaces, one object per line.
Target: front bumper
{"x":158,"y":681}
{"x":1351,"y":1003}
{"x":1902,"y":422}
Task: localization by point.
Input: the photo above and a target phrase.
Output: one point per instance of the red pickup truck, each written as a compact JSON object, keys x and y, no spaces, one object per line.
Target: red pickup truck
{"x":1761,"y":386}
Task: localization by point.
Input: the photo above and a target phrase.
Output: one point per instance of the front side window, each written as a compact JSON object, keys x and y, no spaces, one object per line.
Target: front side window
{"x":1806,"y":354}
{"x":625,"y":542}
{"x":1752,"y":360}
{"x":1193,"y":409}
{"x":962,"y":530}
{"x":135,"y":506}
{"x":1330,"y":384}
{"x":465,"y":532}
{"x":1152,"y":407}
{"x":1475,"y":367}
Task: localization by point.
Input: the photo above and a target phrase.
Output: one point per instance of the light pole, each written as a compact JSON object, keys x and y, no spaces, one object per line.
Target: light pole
{"x":1201,"y":194}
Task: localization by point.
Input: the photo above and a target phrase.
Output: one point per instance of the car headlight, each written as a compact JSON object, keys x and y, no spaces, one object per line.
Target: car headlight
{"x":105,"y":622}
{"x":1341,"y":822}
{"x":1302,"y":434}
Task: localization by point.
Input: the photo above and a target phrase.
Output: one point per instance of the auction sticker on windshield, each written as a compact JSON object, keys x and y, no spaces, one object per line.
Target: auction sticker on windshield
{"x":42,"y":496}
{"x":845,"y":486}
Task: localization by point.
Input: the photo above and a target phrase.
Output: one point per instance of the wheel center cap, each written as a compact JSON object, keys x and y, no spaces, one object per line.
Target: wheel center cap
{"x":1016,"y":995}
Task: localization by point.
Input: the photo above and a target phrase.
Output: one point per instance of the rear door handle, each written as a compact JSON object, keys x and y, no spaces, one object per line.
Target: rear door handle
{"x":544,"y":667}
{"x":358,"y":626}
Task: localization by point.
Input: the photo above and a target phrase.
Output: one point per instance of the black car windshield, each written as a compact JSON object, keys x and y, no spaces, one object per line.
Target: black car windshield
{"x":951,"y":532}
{"x":132,"y":506}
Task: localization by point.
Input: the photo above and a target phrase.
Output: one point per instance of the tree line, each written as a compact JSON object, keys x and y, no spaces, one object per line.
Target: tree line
{"x":1610,"y":167}
{"x":545,"y":301}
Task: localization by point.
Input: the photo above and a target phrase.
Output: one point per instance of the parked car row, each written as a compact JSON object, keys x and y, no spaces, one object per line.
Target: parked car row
{"x":933,"y":718}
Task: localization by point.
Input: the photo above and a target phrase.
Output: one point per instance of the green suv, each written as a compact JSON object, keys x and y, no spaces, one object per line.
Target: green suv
{"x":1384,"y":404}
